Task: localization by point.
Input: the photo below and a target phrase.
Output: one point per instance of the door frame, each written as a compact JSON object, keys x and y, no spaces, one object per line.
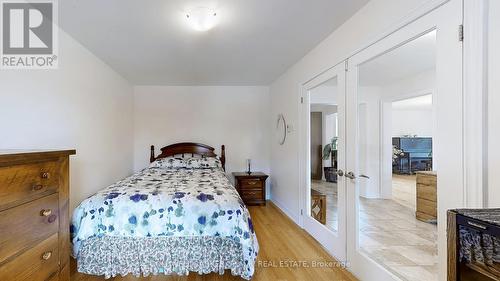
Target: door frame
{"x":475,"y":96}
{"x":336,"y":247}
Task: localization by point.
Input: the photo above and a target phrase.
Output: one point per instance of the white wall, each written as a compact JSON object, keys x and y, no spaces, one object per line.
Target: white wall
{"x":369,"y":128}
{"x":237,"y":117}
{"x":83,"y":105}
{"x":423,"y":83}
{"x":412,"y":122}
{"x":494,"y":105}
{"x":324,"y":94}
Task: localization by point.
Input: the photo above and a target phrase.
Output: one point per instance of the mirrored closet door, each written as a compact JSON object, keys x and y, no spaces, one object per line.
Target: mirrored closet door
{"x":323,"y":151}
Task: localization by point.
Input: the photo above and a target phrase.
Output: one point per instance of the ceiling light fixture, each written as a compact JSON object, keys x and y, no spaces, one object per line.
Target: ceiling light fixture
{"x":202,"y":18}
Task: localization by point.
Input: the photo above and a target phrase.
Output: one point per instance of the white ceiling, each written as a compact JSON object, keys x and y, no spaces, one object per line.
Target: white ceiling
{"x":416,"y":103}
{"x":149,"y":42}
{"x":408,"y":60}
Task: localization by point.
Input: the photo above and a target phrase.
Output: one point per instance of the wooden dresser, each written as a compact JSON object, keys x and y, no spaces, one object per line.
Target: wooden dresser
{"x":426,"y":196}
{"x":251,"y":187}
{"x":34,"y":215}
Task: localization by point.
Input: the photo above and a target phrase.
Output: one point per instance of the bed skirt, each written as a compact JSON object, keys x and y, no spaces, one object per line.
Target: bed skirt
{"x":111,"y":256}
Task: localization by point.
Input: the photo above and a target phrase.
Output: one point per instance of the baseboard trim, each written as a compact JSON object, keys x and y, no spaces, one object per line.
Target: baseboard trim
{"x":286,"y":211}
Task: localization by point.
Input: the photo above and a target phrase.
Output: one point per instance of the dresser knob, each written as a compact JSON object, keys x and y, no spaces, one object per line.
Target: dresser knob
{"x":45,"y":175}
{"x":46,"y":213}
{"x":52,"y":218}
{"x":47,"y":255}
{"x":37,"y":187}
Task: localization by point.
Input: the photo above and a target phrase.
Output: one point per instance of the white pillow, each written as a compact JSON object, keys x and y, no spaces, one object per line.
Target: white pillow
{"x":203,"y":163}
{"x":169,"y":163}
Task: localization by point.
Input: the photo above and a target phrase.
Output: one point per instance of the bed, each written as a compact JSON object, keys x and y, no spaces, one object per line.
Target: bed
{"x":179,"y":215}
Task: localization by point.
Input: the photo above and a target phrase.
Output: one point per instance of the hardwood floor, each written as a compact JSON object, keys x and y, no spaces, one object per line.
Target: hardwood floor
{"x":286,"y":253}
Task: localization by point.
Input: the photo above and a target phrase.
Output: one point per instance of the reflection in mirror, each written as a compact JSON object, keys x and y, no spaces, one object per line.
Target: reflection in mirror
{"x":398,"y":203}
{"x":323,"y":142}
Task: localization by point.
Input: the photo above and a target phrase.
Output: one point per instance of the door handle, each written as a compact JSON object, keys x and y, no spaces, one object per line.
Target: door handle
{"x":340,"y":173}
{"x":352,"y":176}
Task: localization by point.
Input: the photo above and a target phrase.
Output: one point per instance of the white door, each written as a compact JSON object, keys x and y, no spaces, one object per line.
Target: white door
{"x":323,"y":196}
{"x":364,"y":194}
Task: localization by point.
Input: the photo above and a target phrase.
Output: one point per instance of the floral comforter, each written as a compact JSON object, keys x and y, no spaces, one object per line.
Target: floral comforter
{"x":165,"y":221}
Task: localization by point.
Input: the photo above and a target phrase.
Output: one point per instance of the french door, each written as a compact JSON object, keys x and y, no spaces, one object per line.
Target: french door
{"x":323,"y":149}
{"x":363,"y":178}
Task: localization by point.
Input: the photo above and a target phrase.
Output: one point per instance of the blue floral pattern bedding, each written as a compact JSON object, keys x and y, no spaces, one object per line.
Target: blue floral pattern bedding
{"x":165,"y":204}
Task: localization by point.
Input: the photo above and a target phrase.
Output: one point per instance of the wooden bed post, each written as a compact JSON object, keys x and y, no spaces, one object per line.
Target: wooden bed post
{"x":152,"y":157}
{"x":223,"y":157}
{"x":188,"y":148}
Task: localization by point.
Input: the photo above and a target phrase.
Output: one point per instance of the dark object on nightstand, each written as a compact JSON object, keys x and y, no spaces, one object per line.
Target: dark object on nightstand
{"x":251,"y":187}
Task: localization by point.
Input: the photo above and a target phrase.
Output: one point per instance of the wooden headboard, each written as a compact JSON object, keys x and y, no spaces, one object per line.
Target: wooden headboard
{"x":192,"y":148}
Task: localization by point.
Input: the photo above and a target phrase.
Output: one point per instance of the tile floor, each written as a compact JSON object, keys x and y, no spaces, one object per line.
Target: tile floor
{"x":389,"y":232}
{"x":404,"y":190}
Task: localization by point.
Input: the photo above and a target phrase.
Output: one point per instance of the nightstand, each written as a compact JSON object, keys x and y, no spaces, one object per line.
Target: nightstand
{"x":251,"y":187}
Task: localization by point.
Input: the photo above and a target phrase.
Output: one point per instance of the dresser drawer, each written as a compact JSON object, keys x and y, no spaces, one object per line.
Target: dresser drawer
{"x":427,"y":192}
{"x":427,"y":207}
{"x":22,"y":183}
{"x":250,"y":195}
{"x":250,"y":183}
{"x":37,"y":264}
{"x":426,"y":179}
{"x":23,"y":226}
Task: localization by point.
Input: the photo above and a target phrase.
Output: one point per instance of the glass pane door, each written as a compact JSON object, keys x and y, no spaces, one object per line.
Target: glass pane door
{"x":324,"y":186}
{"x":391,"y":232}
{"x":395,"y":126}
